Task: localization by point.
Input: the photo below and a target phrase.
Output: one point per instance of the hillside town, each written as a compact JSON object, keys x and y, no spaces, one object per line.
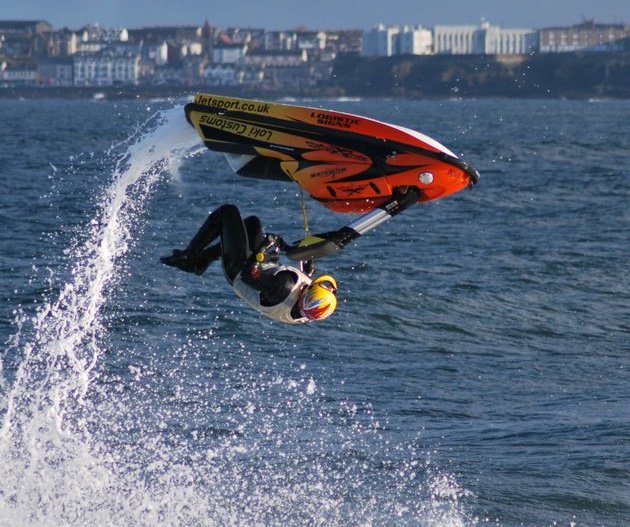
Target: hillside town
{"x":33,"y":53}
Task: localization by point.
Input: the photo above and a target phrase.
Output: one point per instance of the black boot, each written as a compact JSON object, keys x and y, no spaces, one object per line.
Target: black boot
{"x":193,"y":262}
{"x":181,"y":259}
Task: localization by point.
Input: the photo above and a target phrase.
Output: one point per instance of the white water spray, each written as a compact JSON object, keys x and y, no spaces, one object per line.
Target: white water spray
{"x":265,"y":450}
{"x":44,"y":441}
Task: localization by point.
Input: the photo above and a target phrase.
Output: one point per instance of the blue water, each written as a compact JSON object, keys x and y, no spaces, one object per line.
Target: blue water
{"x":475,"y":373}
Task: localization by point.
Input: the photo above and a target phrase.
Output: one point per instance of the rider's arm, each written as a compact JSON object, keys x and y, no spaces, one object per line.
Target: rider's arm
{"x":329,"y":243}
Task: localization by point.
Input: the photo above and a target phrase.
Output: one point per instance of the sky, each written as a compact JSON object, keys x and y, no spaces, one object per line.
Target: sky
{"x":315,"y":14}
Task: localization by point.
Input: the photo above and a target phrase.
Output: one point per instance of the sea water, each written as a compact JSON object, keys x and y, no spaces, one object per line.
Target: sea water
{"x":475,"y":373}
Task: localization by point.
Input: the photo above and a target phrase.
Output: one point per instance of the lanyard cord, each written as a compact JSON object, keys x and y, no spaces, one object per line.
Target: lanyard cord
{"x":303,"y":204}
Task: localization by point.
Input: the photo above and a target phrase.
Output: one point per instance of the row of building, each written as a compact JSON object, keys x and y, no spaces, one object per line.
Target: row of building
{"x":33,"y":52}
{"x":486,"y":39}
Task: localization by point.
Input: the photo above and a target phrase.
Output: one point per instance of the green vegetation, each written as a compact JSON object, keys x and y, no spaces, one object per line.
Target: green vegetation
{"x":571,"y":75}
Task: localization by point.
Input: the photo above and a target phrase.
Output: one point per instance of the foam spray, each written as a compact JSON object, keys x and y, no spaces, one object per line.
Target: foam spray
{"x":273,"y":450}
{"x":48,"y":474}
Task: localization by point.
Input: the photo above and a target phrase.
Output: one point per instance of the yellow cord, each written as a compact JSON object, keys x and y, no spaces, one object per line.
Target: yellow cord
{"x":304,"y":213}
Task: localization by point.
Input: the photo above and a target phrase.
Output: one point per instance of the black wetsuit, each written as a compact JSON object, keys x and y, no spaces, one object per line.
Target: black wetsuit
{"x":240,"y":240}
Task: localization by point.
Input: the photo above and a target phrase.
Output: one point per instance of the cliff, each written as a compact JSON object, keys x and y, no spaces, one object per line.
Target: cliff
{"x":571,"y":75}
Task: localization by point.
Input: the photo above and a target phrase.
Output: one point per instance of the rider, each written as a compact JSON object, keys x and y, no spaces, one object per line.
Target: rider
{"x":250,"y":264}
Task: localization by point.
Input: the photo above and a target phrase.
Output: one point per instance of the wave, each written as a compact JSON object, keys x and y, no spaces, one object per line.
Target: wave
{"x":139,"y":439}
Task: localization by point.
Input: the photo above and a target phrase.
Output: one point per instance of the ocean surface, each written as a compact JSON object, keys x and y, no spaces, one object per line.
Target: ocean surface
{"x":476,"y":371}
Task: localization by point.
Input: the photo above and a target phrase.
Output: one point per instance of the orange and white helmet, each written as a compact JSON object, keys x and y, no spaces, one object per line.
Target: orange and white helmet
{"x":319,"y":299}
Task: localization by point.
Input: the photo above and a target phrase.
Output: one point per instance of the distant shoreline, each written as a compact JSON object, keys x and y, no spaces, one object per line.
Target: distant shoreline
{"x":549,"y":76}
{"x":150,"y":92}
{"x":177,"y":92}
{"x":577,"y":75}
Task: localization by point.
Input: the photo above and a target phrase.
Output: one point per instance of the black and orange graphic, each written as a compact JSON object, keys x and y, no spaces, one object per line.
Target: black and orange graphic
{"x":348,"y":162}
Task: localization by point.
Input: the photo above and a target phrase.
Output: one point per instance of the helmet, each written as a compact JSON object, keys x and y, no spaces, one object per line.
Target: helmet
{"x":319,"y":299}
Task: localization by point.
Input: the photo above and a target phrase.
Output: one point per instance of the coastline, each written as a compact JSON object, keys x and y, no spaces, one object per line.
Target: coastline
{"x":555,"y":76}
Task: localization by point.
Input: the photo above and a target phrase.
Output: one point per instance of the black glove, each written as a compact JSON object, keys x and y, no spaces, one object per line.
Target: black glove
{"x":273,"y":241}
{"x":270,"y":248}
{"x":308,"y":267}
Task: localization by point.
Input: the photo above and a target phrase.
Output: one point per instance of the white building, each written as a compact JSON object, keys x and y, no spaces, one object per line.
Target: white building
{"x":228,"y":53}
{"x":157,"y":53}
{"x":483,"y":40}
{"x":511,"y":41}
{"x":20,"y":75}
{"x":415,"y":41}
{"x":96,"y":33}
{"x":106,"y":68}
{"x":55,"y":72}
{"x":220,"y":75}
{"x":454,"y":40}
{"x":274,"y":40}
{"x":385,"y":41}
{"x":276,"y":58}
{"x":587,"y":36}
{"x":380,"y":41}
{"x":311,"y":40}
{"x":93,"y":38}
{"x":64,"y":43}
{"x":190,"y":49}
